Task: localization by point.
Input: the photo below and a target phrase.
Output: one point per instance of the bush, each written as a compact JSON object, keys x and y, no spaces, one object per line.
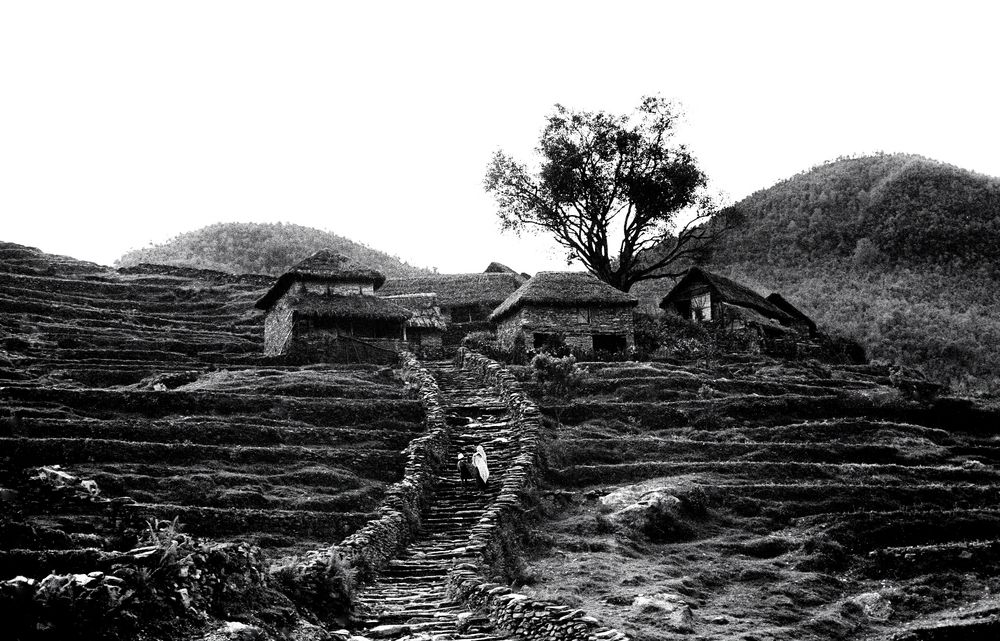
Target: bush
{"x":322,"y":582}
{"x":559,"y":377}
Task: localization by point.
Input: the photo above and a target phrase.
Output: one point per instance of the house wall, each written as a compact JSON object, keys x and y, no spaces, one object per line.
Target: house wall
{"x":321,"y":287}
{"x":578,"y":324}
{"x":685,"y":294}
{"x":278,"y":328}
{"x":284,"y":335}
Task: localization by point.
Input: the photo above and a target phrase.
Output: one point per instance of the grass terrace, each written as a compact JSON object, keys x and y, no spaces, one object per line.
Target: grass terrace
{"x":762,"y":500}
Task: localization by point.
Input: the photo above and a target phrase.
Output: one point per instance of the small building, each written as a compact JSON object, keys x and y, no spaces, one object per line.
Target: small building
{"x":425,"y":329}
{"x":703,"y":296}
{"x":462,"y":298}
{"x":326,"y":308}
{"x":590,"y":314}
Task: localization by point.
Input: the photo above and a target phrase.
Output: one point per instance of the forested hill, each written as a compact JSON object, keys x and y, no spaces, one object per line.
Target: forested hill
{"x":902,"y":209}
{"x":260,"y":248}
{"x":899,"y":252}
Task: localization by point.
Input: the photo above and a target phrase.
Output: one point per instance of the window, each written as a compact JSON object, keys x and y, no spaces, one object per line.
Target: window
{"x":701,"y":307}
{"x":583,"y":314}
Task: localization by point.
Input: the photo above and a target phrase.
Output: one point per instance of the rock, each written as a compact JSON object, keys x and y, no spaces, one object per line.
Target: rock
{"x":383,"y":631}
{"x":670,"y":609}
{"x":875,"y":606}
{"x":638,"y":498}
{"x":236,"y":631}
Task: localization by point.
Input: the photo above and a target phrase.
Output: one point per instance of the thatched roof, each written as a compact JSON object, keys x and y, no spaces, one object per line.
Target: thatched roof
{"x":728,"y":291}
{"x":325,"y":265}
{"x":563,"y":289}
{"x":456,"y":290}
{"x":782,"y":303}
{"x":498,"y":268}
{"x":425,"y":310}
{"x":755,"y":317}
{"x":356,"y":306}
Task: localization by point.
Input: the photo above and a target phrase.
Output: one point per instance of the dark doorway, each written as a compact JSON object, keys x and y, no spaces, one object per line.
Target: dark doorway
{"x":609,"y":343}
{"x":541,"y":340}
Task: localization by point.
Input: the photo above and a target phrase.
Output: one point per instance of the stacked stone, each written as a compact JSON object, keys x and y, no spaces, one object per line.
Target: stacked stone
{"x":467,"y":583}
{"x":370,"y":549}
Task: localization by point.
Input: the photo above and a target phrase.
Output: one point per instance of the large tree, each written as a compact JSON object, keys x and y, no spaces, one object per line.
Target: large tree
{"x":616,"y":191}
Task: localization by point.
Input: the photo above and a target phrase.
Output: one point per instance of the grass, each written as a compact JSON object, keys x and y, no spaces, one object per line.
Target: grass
{"x":782,"y":492}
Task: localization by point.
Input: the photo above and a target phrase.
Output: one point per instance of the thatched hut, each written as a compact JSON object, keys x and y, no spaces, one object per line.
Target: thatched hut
{"x":426,"y":327}
{"x":462,"y":298}
{"x":701,"y":295}
{"x":325,"y":307}
{"x":587,"y":312}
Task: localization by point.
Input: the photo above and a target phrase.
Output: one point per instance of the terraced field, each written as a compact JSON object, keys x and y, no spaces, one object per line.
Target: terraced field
{"x":149,"y":382}
{"x":759,"y":500}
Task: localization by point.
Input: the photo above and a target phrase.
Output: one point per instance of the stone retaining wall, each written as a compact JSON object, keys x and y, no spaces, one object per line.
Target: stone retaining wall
{"x":514,"y":613}
{"x":369,"y":550}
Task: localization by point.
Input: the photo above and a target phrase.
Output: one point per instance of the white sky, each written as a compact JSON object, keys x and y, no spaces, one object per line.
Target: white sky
{"x":128,"y":122}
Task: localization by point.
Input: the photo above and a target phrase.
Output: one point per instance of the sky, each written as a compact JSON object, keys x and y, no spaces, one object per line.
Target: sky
{"x":126,"y":123}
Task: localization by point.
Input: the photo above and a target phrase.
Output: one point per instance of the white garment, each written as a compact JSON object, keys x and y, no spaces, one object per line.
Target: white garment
{"x":479,"y":460}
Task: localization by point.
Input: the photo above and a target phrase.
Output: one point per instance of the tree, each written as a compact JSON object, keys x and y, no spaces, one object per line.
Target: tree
{"x":603,"y":177}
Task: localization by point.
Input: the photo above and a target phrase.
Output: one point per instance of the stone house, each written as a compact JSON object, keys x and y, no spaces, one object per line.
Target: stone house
{"x":326,"y":308}
{"x":425,"y":329}
{"x":703,"y":296}
{"x":587,"y":312}
{"x":461,"y":298}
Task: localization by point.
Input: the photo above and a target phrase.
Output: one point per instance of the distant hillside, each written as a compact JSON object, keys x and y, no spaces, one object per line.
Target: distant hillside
{"x":897,"y":251}
{"x":260,"y":248}
{"x":901,"y":209}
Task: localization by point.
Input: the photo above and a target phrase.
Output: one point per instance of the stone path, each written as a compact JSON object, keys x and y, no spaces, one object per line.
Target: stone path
{"x":409,"y":597}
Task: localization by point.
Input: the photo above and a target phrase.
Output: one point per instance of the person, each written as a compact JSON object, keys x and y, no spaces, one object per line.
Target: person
{"x":481,"y":468}
{"x":465,"y":470}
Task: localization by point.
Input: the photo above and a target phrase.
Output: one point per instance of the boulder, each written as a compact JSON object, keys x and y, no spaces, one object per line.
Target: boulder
{"x":640,"y":496}
{"x":669,"y":610}
{"x":875,"y":606}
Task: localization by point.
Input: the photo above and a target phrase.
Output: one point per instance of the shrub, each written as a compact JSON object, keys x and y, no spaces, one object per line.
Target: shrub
{"x":559,"y":376}
{"x":322,"y":581}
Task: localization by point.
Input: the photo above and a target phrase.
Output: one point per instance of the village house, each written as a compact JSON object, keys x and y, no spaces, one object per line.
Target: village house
{"x":425,"y":329}
{"x":461,"y":298}
{"x":703,"y":296}
{"x":326,"y":308}
{"x":588,"y":313}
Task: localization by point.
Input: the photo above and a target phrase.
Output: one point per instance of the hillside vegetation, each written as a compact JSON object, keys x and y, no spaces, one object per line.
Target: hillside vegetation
{"x":896,"y":251}
{"x":260,"y":248}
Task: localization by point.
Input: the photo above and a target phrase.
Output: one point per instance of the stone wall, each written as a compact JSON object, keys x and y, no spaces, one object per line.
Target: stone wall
{"x":278,"y":328}
{"x":370,"y":549}
{"x":514,"y":613}
{"x":323,"y":287}
{"x":578,"y":324}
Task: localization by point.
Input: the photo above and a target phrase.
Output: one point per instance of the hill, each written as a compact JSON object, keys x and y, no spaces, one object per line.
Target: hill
{"x":896,"y":251}
{"x":260,"y":248}
{"x":900,"y":209}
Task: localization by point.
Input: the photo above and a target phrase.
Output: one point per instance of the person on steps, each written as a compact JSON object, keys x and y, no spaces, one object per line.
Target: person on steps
{"x":481,"y":469}
{"x":465,"y":469}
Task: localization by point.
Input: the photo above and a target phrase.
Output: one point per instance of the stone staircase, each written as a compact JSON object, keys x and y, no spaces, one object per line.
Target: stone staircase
{"x":410,"y":597}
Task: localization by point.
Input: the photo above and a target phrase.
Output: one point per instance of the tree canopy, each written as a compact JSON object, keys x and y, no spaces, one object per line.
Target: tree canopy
{"x":609,"y":189}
